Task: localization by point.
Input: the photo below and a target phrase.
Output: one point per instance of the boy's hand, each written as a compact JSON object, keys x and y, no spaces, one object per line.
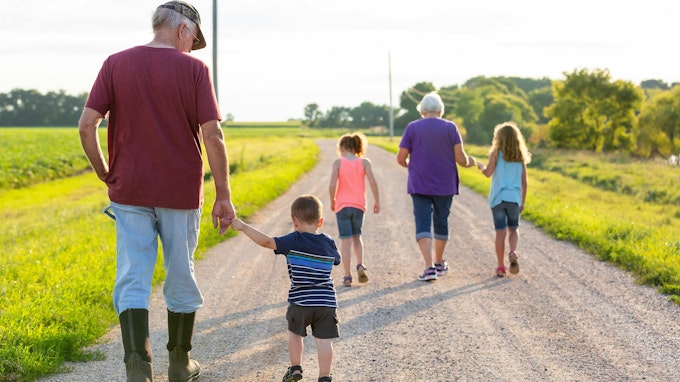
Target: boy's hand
{"x":237,"y":224}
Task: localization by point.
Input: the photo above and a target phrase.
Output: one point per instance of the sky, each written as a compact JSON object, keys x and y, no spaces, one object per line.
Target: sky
{"x":274,"y":57}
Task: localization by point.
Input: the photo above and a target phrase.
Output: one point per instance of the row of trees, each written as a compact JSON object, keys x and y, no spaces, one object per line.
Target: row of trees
{"x":363,"y":116}
{"x":587,"y":110}
{"x":32,"y":108}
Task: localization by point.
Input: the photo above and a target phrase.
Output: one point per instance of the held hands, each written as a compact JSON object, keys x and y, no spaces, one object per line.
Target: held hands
{"x":223,"y":214}
{"x":237,"y":224}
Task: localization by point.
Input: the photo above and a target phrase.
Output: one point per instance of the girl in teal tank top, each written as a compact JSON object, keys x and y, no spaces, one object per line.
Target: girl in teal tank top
{"x":507,"y":167}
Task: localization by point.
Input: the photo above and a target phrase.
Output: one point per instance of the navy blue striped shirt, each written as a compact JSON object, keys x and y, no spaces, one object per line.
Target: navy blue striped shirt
{"x":310,"y":259}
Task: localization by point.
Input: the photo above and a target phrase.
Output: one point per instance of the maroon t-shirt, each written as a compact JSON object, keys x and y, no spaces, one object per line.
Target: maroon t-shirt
{"x":157,"y":99}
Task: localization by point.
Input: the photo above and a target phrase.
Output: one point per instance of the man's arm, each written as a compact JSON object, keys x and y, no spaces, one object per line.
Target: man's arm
{"x":223,"y":212}
{"x":89,"y":138}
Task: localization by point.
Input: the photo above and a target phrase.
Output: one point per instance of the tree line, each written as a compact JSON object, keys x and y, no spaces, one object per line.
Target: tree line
{"x":587,"y":110}
{"x":31,"y":108}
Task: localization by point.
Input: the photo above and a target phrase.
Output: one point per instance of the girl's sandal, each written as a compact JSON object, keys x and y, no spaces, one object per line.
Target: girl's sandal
{"x":347,"y":281}
{"x":291,"y":375}
{"x":514,"y":263}
{"x":500,"y":272}
{"x":361,"y":270}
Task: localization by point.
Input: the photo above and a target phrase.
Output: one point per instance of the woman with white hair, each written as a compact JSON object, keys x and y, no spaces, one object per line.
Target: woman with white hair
{"x":430,"y":148}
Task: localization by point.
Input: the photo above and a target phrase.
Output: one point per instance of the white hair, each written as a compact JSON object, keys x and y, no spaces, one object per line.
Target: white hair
{"x":168,"y":18}
{"x":431,"y":102}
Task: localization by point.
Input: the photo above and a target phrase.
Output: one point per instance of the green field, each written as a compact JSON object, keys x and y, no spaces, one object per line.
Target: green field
{"x":59,"y":247}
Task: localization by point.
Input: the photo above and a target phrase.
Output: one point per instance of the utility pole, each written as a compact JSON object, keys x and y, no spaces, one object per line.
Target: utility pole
{"x":389,"y":71}
{"x":214,"y":52}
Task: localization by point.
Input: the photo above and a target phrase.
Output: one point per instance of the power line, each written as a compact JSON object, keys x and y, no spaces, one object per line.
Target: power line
{"x":422,"y":94}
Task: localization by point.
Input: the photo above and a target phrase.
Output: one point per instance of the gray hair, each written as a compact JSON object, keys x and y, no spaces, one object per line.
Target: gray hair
{"x":431,"y":102}
{"x":167,"y":18}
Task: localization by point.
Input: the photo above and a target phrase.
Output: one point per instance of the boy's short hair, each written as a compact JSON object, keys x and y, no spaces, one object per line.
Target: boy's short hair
{"x":307,"y":208}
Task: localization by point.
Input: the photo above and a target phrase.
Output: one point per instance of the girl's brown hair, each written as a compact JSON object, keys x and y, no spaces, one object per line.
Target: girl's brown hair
{"x":354,"y":143}
{"x":509,"y":139}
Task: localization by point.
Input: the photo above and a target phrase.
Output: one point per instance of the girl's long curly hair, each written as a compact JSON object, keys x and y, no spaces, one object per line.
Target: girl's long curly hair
{"x":354,"y":143}
{"x":509,"y":139}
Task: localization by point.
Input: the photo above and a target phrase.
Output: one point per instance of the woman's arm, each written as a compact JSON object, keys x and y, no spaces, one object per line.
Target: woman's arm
{"x":462,"y":158}
{"x":402,"y":157}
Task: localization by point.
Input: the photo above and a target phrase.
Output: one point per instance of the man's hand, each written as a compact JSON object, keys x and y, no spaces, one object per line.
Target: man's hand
{"x":223,"y":214}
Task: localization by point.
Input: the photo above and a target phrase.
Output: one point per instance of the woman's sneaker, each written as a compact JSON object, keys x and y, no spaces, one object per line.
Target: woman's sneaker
{"x":430,"y":274}
{"x":442,"y":268}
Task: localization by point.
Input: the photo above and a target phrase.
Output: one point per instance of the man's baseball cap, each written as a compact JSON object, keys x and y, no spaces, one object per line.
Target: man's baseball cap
{"x":191,"y":13}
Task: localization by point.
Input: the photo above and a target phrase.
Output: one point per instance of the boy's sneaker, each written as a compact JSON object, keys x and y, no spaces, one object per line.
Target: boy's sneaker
{"x":430,"y":274}
{"x":442,"y":268}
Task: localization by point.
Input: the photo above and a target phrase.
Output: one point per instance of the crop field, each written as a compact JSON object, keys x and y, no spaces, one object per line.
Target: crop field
{"x":33,"y":155}
{"x":59,"y":248}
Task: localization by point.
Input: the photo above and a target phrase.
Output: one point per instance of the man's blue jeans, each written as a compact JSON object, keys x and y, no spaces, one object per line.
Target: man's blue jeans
{"x":137,"y":233}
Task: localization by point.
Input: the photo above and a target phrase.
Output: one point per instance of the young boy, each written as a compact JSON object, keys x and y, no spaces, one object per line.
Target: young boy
{"x":310,"y":256}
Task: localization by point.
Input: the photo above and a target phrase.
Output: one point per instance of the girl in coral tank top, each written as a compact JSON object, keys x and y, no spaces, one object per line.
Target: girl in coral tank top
{"x":348,"y":200}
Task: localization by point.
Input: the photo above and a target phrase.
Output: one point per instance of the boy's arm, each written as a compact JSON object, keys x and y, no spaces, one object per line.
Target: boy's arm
{"x":254,"y":235}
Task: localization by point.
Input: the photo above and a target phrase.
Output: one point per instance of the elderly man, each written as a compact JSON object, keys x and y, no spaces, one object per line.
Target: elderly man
{"x":160,"y":103}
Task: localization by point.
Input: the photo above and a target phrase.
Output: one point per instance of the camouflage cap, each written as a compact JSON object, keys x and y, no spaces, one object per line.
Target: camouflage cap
{"x":191,"y":13}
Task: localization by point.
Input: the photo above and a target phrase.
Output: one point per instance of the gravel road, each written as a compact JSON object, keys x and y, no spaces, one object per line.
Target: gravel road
{"x":565,"y":317}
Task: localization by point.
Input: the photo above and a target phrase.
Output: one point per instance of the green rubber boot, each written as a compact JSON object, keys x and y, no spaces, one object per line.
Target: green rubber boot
{"x":134,"y":327}
{"x":180,"y":329}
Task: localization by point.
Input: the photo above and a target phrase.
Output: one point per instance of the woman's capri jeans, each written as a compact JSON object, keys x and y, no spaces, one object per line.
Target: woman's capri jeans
{"x":432,"y":211}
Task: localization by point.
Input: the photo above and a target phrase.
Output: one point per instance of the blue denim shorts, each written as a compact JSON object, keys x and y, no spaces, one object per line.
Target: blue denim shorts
{"x":505,"y":215}
{"x":432,"y":211}
{"x":350,"y":221}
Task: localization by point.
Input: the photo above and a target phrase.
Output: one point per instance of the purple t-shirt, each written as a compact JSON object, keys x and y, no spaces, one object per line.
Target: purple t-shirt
{"x":432,"y":166}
